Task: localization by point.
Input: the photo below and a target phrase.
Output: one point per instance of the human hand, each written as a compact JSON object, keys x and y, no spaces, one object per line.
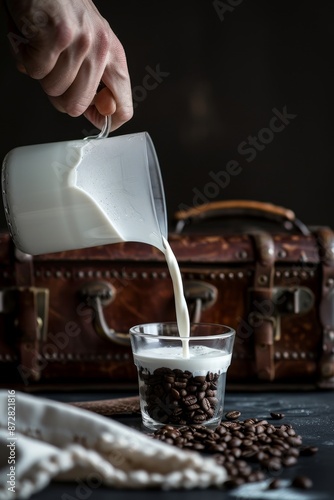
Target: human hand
{"x":70,"y":49}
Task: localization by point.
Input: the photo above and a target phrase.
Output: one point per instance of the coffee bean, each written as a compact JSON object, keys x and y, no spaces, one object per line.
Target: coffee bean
{"x":233,"y":415}
{"x":205,"y":404}
{"x":189,"y":400}
{"x":178,"y":397}
{"x":212,"y":400}
{"x":307,"y":451}
{"x":261,"y":422}
{"x":210,"y":394}
{"x":275,"y":452}
{"x":233,"y":483}
{"x":198,"y":446}
{"x":276,"y":416}
{"x":274,"y":464}
{"x":180,"y":385}
{"x":199,"y":418}
{"x":274,"y":484}
{"x":244,"y":471}
{"x":235,"y":442}
{"x":294,"y":441}
{"x":270,"y":429}
{"x":193,"y":407}
{"x":241,"y":447}
{"x":289,"y":461}
{"x":294,"y":452}
{"x":173,"y":392}
{"x":236,"y":432}
{"x":247,"y":442}
{"x":262,"y":456}
{"x":302,"y":482}
{"x":260,"y":475}
{"x":236,"y":452}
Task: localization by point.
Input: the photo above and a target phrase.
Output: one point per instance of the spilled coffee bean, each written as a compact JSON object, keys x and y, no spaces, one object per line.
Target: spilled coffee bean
{"x":275,"y":484}
{"x":276,"y":416}
{"x":250,"y":450}
{"x":302,"y":482}
{"x":232,"y":415}
{"x":307,"y":451}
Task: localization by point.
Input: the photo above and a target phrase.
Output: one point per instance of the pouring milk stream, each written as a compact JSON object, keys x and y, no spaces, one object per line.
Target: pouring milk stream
{"x":182,"y":314}
{"x":83,"y":193}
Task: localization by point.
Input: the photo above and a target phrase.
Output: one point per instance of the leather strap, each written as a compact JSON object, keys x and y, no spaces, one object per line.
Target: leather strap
{"x":28,"y":333}
{"x":325,"y":239}
{"x":261,"y":306}
{"x":24,"y":273}
{"x":240,"y":208}
{"x":26,"y":316}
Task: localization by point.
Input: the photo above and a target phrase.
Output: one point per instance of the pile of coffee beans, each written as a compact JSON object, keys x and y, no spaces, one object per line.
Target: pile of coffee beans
{"x":178,"y":397}
{"x":250,"y":450}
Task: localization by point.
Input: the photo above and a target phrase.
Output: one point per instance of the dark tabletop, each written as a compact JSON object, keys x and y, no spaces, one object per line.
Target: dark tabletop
{"x":310,"y":414}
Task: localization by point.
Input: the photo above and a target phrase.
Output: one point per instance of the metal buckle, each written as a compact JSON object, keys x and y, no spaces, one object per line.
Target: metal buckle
{"x":283,"y":301}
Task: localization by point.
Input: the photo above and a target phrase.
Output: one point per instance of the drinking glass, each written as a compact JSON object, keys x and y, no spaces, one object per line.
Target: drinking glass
{"x":178,"y":390}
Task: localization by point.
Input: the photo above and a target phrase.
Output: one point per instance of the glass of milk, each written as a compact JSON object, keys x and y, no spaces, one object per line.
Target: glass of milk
{"x":177,"y":390}
{"x":84,"y":193}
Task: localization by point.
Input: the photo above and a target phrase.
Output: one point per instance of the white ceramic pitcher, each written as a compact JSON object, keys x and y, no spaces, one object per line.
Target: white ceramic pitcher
{"x":84,"y":193}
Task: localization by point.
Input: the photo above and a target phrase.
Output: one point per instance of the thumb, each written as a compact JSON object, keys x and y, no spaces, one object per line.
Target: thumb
{"x":104,"y":102}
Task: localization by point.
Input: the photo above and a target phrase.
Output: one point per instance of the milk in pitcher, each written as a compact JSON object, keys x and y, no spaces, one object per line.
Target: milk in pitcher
{"x":85,"y":193}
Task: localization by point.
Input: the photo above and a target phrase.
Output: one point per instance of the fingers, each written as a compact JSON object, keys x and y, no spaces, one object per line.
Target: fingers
{"x":41,"y":53}
{"x":116,"y":97}
{"x":70,"y":51}
{"x":66,"y":70}
{"x":104,"y":62}
{"x":81,"y":92}
{"x":72,"y":84}
{"x":104,"y":104}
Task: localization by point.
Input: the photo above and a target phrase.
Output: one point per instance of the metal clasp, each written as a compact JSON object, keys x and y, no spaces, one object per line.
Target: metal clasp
{"x":283,"y":301}
{"x":99,"y":294}
{"x":199,"y":295}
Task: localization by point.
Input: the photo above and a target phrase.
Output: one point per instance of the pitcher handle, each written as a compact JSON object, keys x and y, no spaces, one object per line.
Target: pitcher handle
{"x":105,"y":131}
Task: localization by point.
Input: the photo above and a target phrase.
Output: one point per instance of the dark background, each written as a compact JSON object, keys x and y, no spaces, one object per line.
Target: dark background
{"x":225,"y":72}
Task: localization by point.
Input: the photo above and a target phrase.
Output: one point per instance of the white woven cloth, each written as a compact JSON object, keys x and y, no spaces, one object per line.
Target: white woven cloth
{"x":56,"y":441}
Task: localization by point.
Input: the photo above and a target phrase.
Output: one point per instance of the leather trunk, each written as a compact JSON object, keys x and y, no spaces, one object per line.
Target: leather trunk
{"x":65,"y":317}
